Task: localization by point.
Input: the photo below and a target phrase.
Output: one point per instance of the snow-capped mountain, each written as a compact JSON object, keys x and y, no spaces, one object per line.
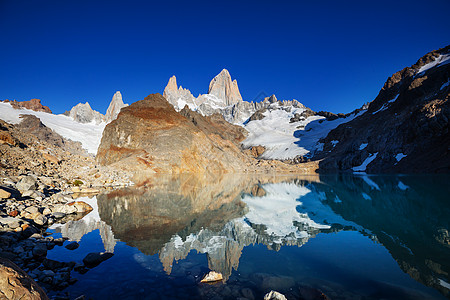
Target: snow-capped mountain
{"x":80,"y":124}
{"x":223,"y":97}
{"x":286,"y":129}
{"x":289,"y":132}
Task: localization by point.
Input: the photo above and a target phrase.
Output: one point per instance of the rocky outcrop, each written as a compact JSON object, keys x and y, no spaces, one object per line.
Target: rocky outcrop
{"x":178,"y":96}
{"x":114,"y":107}
{"x":31,"y":148}
{"x":406,"y":127}
{"x":150,"y":135}
{"x":223,"y":88}
{"x":83,"y":113}
{"x":33,"y":104}
{"x":33,"y":125}
{"x":16,"y":284}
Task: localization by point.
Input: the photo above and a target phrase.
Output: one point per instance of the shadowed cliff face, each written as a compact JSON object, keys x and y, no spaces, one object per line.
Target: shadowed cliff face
{"x":150,"y":135}
{"x":404,"y":130}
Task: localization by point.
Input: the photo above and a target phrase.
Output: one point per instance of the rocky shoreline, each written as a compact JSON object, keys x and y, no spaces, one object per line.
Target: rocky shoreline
{"x":41,"y":176}
{"x":28,"y":207}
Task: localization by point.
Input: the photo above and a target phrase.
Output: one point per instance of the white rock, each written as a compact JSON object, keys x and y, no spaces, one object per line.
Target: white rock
{"x":274,"y":295}
{"x":212,"y":277}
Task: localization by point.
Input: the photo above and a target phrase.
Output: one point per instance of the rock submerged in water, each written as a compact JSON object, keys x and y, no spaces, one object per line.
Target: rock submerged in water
{"x":212,"y":277}
{"x":72,"y":246}
{"x":274,"y":295}
{"x":95,"y":258}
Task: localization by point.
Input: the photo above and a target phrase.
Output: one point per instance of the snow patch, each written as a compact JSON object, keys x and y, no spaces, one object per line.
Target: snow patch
{"x":400,"y":156}
{"x":89,"y":134}
{"x":285,"y":140}
{"x":367,"y":197}
{"x":440,"y":60}
{"x":445,"y":85}
{"x":363,"y":146}
{"x":370,"y":182}
{"x":444,"y":283}
{"x":277,"y":210}
{"x":402,"y":186}
{"x":334,"y":143}
{"x":363,"y":166}
{"x":393,"y":100}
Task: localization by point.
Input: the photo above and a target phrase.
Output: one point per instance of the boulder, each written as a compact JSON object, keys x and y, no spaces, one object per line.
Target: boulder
{"x":16,"y":284}
{"x":80,"y":206}
{"x":274,"y":295}
{"x":10,"y":222}
{"x":26,"y":183}
{"x":40,"y":220}
{"x":72,"y":246}
{"x":257,"y":151}
{"x":4,"y":194}
{"x":95,"y":258}
{"x":212,"y":277}
{"x":40,"y":250}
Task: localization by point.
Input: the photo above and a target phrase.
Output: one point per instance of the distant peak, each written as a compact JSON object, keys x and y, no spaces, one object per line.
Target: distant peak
{"x":224,"y":88}
{"x":171,"y":85}
{"x":114,"y":107}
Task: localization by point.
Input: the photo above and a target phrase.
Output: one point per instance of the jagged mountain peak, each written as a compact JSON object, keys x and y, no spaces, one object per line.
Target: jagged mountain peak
{"x":172,"y":84}
{"x":83,"y":113}
{"x":114,"y":107}
{"x":224,"y":88}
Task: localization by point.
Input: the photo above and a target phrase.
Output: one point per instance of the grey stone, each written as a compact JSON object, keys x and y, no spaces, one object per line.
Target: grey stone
{"x":58,"y":215}
{"x":40,"y":220}
{"x":72,"y":246}
{"x":32,"y":210}
{"x":26,"y":183}
{"x":10,"y":222}
{"x":95,"y":258}
{"x":40,"y":250}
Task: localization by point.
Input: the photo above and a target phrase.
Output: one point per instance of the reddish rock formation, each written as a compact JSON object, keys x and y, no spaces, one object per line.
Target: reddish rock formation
{"x":16,"y":284}
{"x":151,"y":135}
{"x":33,"y":104}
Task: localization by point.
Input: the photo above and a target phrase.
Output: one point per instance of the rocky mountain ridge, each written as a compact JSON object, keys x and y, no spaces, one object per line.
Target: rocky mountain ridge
{"x":33,"y":104}
{"x":150,"y":136}
{"x":83,"y":113}
{"x":223,"y":97}
{"x":413,"y":108}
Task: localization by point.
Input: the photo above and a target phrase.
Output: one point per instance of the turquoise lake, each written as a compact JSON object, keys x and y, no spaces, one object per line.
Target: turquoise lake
{"x":344,"y":236}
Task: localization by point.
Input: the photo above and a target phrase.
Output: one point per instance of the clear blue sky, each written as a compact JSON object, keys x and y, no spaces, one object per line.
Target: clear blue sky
{"x":330,"y":55}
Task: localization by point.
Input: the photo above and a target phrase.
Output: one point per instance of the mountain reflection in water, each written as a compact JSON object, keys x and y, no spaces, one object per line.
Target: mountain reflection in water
{"x":171,"y":216}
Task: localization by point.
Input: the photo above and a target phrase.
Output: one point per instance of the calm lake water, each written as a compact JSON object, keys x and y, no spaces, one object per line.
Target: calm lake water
{"x":350,"y":237}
